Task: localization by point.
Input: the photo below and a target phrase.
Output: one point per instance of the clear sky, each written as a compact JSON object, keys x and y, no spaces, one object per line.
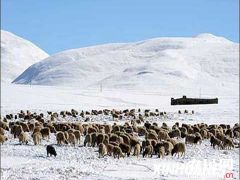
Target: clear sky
{"x":56,"y":25}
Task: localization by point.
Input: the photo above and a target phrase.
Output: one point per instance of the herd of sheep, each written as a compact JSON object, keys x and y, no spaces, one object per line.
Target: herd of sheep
{"x":133,"y":137}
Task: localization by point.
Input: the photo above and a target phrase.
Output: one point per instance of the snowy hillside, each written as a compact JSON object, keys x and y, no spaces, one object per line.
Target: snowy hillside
{"x":17,"y":54}
{"x":205,"y":62}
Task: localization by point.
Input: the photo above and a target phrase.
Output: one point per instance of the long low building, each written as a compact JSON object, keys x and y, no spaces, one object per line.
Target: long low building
{"x":189,"y":101}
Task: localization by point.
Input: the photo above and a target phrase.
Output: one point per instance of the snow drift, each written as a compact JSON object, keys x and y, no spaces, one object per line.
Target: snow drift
{"x":205,"y":62}
{"x":17,"y":54}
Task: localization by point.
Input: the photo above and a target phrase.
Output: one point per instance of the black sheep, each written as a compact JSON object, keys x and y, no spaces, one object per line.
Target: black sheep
{"x":51,"y":150}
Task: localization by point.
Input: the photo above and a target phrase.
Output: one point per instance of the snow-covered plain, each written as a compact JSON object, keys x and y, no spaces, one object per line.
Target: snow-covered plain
{"x":134,"y":75}
{"x":30,"y":162}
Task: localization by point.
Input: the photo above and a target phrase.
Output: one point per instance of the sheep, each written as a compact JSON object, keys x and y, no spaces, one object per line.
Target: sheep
{"x":168,"y":146}
{"x":125,"y":148}
{"x":141,"y":131}
{"x":215,"y":141}
{"x":3,"y":139}
{"x":161,"y":152}
{"x":184,"y":132}
{"x":2,"y":131}
{"x":137,"y":150}
{"x":204,"y":133}
{"x":173,"y":141}
{"x":198,"y":138}
{"x":110,"y":149}
{"x":16,"y":130}
{"x":100,"y":138}
{"x":113,"y":143}
{"x":45,"y":132}
{"x":126,"y":139}
{"x":24,"y":127}
{"x":117,"y":152}
{"x":51,"y":150}
{"x":88,"y":140}
{"x":229,"y":133}
{"x":66,"y":134}
{"x":37,"y":138}
{"x":108,"y":129}
{"x":152,"y":142}
{"x":61,"y":138}
{"x":31,"y":127}
{"x":179,"y":148}
{"x":23,"y":138}
{"x":148,"y":151}
{"x":133,"y":141}
{"x":151,"y":135}
{"x":37,"y":129}
{"x":190,"y":139}
{"x":93,"y":138}
{"x":4,"y":125}
{"x":102,"y":150}
{"x":163,"y":135}
{"x":72,"y":139}
{"x":228,"y":143}
{"x":77,"y":134}
{"x":175,"y":133}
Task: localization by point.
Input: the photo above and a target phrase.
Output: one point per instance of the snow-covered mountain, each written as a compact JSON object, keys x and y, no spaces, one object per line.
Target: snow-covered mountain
{"x":17,"y":54}
{"x":205,"y":62}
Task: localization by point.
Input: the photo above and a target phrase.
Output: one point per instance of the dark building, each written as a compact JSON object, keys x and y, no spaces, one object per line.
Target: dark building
{"x":189,"y":101}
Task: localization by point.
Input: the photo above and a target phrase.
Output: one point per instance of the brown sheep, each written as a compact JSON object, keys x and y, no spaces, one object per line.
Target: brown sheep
{"x":141,"y":131}
{"x":126,"y":139}
{"x":114,"y":143}
{"x":108,"y":129}
{"x":228,"y":143}
{"x":117,"y":152}
{"x":77,"y":134}
{"x":215,"y":141}
{"x":173,"y":141}
{"x":151,"y":135}
{"x":163,"y":135}
{"x":168,"y":146}
{"x":72,"y":139}
{"x":16,"y":130}
{"x":3,"y":139}
{"x":61,"y":139}
{"x":190,"y":139}
{"x":125,"y":148}
{"x":137,"y":150}
{"x":31,"y":126}
{"x":110,"y":149}
{"x":102,"y":150}
{"x":2,"y":132}
{"x":88,"y":140}
{"x":37,"y":138}
{"x":148,"y":151}
{"x":100,"y":138}
{"x":45,"y":132}
{"x":66,"y":134}
{"x":161,"y":152}
{"x":94,"y":139}
{"x":91,"y":130}
{"x":179,"y":148}
{"x":24,"y":127}
{"x":175,"y":133}
{"x":23,"y":138}
{"x":4,"y":125}
{"x":37,"y":129}
{"x":204,"y":133}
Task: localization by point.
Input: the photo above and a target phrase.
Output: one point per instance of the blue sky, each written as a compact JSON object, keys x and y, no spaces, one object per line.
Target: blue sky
{"x":56,"y":25}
